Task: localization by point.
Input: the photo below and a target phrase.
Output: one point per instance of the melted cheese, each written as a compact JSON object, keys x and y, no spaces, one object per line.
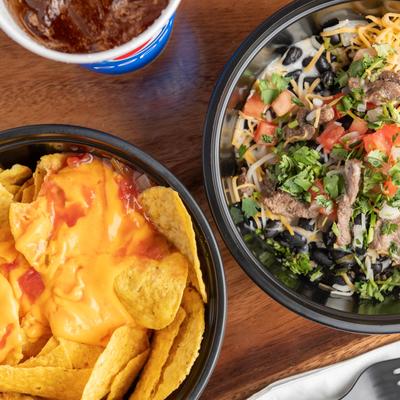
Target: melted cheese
{"x":79,"y":234}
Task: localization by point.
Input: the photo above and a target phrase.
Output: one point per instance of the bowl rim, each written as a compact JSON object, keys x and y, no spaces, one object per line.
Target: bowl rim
{"x":357,"y":323}
{"x":36,"y":134}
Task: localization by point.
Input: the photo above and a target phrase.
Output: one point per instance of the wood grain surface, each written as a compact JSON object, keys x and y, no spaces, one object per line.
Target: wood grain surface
{"x":161,"y":109}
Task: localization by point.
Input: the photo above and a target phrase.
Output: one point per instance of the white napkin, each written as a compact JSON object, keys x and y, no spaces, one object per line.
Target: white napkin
{"x":328,"y":383}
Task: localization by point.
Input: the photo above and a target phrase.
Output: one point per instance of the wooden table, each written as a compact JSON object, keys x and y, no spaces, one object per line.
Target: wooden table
{"x":161,"y":109}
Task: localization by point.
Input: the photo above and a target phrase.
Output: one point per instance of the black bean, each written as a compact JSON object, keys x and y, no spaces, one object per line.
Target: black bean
{"x":293,"y":54}
{"x":346,"y":121}
{"x":337,"y":254}
{"x":328,"y":79}
{"x":295,"y":241}
{"x":339,"y":280}
{"x":319,"y":39}
{"x":323,"y":64}
{"x":272,"y":228}
{"x":321,"y":257}
{"x":329,"y":238}
{"x":306,"y":224}
{"x":377,"y":268}
{"x":335,"y":39}
{"x":294,"y":74}
{"x":310,"y":81}
{"x":360,"y":251}
{"x":306,"y":61}
{"x":329,"y":23}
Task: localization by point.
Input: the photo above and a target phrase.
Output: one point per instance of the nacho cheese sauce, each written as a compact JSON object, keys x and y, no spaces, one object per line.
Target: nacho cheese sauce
{"x":81,"y":231}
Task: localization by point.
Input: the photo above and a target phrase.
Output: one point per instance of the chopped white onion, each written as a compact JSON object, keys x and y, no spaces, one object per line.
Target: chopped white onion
{"x":361,"y":107}
{"x":310,"y":116}
{"x":318,"y":102}
{"x":389,"y":212}
{"x":386,"y":263}
{"x":395,"y":153}
{"x":368,"y":266}
{"x":363,"y":221}
{"x":341,"y":288}
{"x":358,"y":236}
{"x":374,"y":114}
{"x":345,"y":294}
{"x":319,"y":148}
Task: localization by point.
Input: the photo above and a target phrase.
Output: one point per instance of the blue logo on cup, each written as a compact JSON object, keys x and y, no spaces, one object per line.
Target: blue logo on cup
{"x":137,"y":58}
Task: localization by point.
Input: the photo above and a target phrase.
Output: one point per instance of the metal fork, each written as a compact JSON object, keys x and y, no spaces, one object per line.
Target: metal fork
{"x":380,"y":381}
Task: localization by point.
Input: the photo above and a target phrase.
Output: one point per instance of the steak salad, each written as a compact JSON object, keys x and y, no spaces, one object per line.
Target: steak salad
{"x":317,"y":145}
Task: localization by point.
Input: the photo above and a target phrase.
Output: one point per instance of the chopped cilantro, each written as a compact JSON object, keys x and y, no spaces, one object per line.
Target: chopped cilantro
{"x":293,"y":124}
{"x":335,"y":229}
{"x":369,"y":290}
{"x":342,"y":79}
{"x":236,"y":215}
{"x":356,"y":69}
{"x":270,"y":89}
{"x":333,"y":184}
{"x":297,"y":101}
{"x":267,"y":139}
{"x":324,"y":202}
{"x":299,"y":183}
{"x":394,"y":172}
{"x":384,"y":50}
{"x":299,"y":264}
{"x":242,"y":151}
{"x":389,"y":284}
{"x":250,"y":207}
{"x":394,"y":250}
{"x":339,"y":152}
{"x":376,"y":158}
{"x":306,"y":156}
{"x":371,"y":179}
{"x":316,"y":275}
{"x":388,"y":228}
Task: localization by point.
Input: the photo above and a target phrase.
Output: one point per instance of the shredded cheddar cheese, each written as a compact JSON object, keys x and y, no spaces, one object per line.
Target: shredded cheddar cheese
{"x":314,"y":60}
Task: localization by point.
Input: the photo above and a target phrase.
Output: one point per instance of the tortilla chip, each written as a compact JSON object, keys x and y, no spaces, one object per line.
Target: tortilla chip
{"x":160,"y":348}
{"x":25,"y":192}
{"x":152,"y":290}
{"x":167,"y":211}
{"x":55,"y":358}
{"x":81,"y":355}
{"x":66,"y":384}
{"x":33,"y":349}
{"x":16,"y":396}
{"x":6,"y":198}
{"x":47,"y":164}
{"x":50,"y":345}
{"x":123,"y":381}
{"x":126,"y":342}
{"x":185,"y":349}
{"x":15,"y":176}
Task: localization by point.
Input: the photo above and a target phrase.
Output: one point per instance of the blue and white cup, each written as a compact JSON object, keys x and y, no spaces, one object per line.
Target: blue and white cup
{"x":131,"y":56}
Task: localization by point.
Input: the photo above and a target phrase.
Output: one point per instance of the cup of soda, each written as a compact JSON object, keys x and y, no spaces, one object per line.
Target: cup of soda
{"x":107,"y":36}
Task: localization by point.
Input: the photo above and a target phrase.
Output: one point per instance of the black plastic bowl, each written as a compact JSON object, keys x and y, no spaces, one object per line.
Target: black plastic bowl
{"x":26,"y":144}
{"x":295,"y":22}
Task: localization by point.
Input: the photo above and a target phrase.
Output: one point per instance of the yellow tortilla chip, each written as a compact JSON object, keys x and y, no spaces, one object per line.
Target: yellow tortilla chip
{"x":56,"y":358}
{"x":15,"y":176}
{"x":81,"y":355}
{"x":16,"y":396}
{"x":50,"y":345}
{"x":123,"y":381}
{"x":66,"y":384}
{"x":167,"y":211}
{"x":47,"y":164}
{"x":186,"y":346}
{"x":6,"y":198}
{"x":160,"y":348}
{"x":25,"y":192}
{"x":126,"y":342}
{"x":152,"y":290}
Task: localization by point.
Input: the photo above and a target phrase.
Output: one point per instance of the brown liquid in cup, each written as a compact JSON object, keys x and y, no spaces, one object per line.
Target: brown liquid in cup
{"x":86,"y":26}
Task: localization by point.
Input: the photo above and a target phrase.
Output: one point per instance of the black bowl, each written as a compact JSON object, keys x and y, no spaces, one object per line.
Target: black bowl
{"x":27,"y":144}
{"x":296,"y":21}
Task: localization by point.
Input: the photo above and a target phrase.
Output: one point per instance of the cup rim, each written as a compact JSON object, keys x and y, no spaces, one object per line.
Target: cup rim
{"x":15,"y":32}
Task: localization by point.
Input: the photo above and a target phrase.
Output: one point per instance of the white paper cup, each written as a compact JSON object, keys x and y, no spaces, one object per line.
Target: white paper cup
{"x":131,"y":56}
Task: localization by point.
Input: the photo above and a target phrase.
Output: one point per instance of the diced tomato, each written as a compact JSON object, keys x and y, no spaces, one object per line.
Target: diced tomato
{"x":359,"y":125}
{"x":254,"y":106}
{"x":338,"y":114}
{"x":370,"y":106}
{"x":31,"y":284}
{"x":330,"y":136}
{"x":316,"y":189}
{"x":382,"y":139}
{"x":390,"y":189}
{"x":8,"y":267}
{"x":265,"y":128}
{"x":283,"y":103}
